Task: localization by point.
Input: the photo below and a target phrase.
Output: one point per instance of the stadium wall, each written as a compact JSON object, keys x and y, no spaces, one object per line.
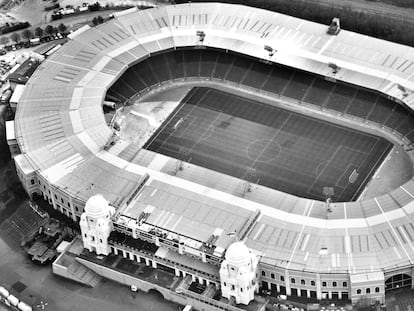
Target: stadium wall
{"x":68,"y":203}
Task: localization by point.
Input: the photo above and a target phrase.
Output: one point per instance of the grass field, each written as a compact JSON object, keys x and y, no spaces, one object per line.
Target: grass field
{"x":270,"y":146}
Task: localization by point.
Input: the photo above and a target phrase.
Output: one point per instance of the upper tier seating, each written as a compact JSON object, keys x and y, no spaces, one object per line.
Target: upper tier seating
{"x":288,"y":82}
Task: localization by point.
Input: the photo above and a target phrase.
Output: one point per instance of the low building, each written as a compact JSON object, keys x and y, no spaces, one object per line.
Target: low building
{"x":11,"y":139}
{"x":15,"y":98}
{"x":23,"y":72}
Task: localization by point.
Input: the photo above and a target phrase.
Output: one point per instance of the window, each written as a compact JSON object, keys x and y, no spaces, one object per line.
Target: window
{"x":92,"y":238}
{"x":68,"y":204}
{"x":272,"y":275}
{"x":344,"y":284}
{"x":282,"y":278}
{"x":313,"y":283}
{"x":232,"y":268}
{"x":55,"y":197}
{"x":85,"y":235}
{"x":358,"y":292}
{"x":241,"y":289}
{"x":225,"y":284}
{"x":100,"y":240}
{"x":377,"y":289}
{"x":334,"y":284}
{"x":368,"y":290}
{"x":232,"y":287}
{"x":324,"y":284}
{"x":292,"y":280}
{"x":32,"y":181}
{"x":61,"y":200}
{"x":302,"y":282}
{"x":263,"y":273}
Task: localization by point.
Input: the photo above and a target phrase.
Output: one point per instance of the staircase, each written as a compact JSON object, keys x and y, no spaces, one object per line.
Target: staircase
{"x":210,"y":291}
{"x":83,"y":274}
{"x":184,"y":284}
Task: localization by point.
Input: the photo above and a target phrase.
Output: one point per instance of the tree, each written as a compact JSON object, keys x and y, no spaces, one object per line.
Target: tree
{"x":62,"y":28}
{"x":100,"y":19}
{"x":4,"y":40}
{"x":38,"y":32}
{"x":15,"y":37}
{"x":95,"y":21}
{"x":27,"y":34}
{"x":49,"y":30}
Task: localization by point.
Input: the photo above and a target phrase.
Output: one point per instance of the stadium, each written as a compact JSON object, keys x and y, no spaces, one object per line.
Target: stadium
{"x":237,"y":131}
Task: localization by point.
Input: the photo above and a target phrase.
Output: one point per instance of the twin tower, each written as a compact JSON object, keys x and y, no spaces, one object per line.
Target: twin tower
{"x":238,"y":271}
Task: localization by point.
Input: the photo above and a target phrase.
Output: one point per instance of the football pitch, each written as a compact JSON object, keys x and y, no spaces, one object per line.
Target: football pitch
{"x":270,"y":146}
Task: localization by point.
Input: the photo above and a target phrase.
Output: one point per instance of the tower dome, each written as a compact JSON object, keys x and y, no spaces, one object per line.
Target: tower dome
{"x":237,"y":253}
{"x":97,"y":206}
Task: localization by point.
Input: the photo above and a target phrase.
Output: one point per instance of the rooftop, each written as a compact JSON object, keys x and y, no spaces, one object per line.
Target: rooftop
{"x":61,"y":131}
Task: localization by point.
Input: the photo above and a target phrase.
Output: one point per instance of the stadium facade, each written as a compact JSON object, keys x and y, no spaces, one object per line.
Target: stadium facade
{"x":357,"y":251}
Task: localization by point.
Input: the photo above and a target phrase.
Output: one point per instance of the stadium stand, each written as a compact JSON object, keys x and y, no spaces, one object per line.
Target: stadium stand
{"x":289,"y":82}
{"x":61,"y":131}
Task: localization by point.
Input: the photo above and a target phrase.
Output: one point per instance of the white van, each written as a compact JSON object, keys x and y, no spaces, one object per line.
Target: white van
{"x":14,"y":301}
{"x":24,"y":307}
{"x":4,"y":292}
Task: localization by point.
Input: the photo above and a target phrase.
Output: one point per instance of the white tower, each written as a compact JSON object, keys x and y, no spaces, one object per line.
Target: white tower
{"x":96,"y":225}
{"x":238,"y":274}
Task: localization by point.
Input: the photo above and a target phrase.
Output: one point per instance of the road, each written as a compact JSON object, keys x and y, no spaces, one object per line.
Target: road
{"x":374,"y":7}
{"x":33,"y":11}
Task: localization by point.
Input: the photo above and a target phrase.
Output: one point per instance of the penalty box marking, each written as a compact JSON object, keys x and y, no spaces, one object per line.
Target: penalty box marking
{"x":329,"y":161}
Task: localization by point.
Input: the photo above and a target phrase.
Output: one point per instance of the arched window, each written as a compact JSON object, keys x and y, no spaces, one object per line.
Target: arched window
{"x":302,"y":282}
{"x":344,"y":284}
{"x":292,"y":280}
{"x":324,"y":284}
{"x":368,"y":290}
{"x":313,"y":283}
{"x":282,"y":278}
{"x":272,"y":275}
{"x":334,"y":284}
{"x":377,"y":289}
{"x":263,"y":273}
{"x":358,"y":291}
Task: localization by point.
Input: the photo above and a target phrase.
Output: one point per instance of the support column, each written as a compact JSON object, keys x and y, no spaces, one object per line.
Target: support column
{"x":131,"y":256}
{"x":124,"y":254}
{"x":72,"y":207}
{"x":308,"y":293}
{"x":287,"y":282}
{"x":115,"y":251}
{"x":177,"y":272}
{"x":318,"y":287}
{"x":147,"y":261}
{"x":154,"y":264}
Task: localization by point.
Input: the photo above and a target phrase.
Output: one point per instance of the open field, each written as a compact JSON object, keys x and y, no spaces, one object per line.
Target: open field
{"x":270,"y":146}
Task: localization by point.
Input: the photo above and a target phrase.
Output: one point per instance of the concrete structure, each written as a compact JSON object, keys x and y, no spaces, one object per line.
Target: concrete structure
{"x":11,"y":139}
{"x":96,"y":225}
{"x":184,"y":220}
{"x":238,"y":274}
{"x":15,"y":98}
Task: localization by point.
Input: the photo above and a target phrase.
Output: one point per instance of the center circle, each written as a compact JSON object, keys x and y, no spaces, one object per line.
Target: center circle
{"x":263,"y":150}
